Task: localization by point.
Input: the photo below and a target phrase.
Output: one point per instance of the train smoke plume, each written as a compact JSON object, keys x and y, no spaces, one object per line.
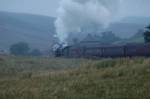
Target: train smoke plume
{"x":75,"y":14}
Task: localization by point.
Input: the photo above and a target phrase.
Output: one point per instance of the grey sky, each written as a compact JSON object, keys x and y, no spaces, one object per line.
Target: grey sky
{"x":43,"y":7}
{"x":136,"y":7}
{"x":48,"y":7}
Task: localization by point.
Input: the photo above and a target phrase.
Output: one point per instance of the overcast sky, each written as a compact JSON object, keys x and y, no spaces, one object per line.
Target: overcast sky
{"x":136,"y":7}
{"x":48,"y":7}
{"x":43,"y":7}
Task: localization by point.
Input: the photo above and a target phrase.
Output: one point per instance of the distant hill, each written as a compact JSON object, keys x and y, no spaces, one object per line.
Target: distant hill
{"x":136,"y":20}
{"x":138,"y":37}
{"x":129,"y":26}
{"x":125,"y":30}
{"x":36,"y":30}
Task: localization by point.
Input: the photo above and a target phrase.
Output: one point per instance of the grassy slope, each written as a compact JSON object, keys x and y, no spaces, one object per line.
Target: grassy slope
{"x":36,"y":30}
{"x":43,"y":78}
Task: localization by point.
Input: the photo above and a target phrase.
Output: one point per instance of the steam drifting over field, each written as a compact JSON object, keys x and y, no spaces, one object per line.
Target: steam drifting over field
{"x":77,"y":15}
{"x":73,"y":15}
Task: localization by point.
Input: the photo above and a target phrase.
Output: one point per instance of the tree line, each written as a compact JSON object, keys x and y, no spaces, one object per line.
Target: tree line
{"x":23,"y":49}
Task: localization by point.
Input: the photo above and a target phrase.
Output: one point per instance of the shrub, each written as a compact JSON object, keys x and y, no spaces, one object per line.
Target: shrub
{"x":20,"y":48}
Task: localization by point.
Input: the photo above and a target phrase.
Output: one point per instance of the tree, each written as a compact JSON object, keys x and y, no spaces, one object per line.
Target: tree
{"x":109,"y":37}
{"x":75,"y":40}
{"x":20,"y":48}
{"x":147,"y":34}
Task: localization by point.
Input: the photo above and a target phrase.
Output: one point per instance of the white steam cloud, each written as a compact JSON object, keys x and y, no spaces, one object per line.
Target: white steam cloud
{"x":75,"y":14}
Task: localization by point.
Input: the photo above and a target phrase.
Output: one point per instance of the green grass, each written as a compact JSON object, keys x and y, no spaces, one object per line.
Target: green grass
{"x":44,"y":78}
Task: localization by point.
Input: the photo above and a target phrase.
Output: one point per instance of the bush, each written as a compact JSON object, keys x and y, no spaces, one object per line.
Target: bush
{"x":21,"y":49}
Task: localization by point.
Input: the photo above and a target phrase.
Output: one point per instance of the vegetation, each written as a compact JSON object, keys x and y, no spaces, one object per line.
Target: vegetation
{"x":147,"y":34}
{"x":136,"y":38}
{"x":20,"y":48}
{"x":23,"y":49}
{"x":44,"y":78}
{"x":109,"y":38}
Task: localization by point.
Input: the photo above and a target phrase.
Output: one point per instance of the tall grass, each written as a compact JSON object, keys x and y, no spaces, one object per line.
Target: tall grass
{"x":44,"y":78}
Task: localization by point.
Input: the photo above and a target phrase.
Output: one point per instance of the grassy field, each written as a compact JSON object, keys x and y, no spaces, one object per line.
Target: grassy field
{"x":44,"y":78}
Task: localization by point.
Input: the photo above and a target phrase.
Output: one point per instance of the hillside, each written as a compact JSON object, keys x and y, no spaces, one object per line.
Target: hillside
{"x":129,"y":26}
{"x":44,"y":78}
{"x":36,"y":30}
{"x":136,"y":19}
{"x":126,"y":30}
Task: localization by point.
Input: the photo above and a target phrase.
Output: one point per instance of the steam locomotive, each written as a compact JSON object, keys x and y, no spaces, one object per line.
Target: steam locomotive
{"x":96,"y":50}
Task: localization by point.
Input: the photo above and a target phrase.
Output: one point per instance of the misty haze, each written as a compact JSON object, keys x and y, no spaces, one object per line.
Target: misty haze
{"x":74,"y":49}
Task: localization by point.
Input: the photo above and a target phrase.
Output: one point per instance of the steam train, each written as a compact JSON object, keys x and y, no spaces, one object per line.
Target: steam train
{"x":96,"y":50}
